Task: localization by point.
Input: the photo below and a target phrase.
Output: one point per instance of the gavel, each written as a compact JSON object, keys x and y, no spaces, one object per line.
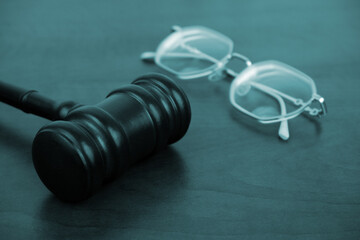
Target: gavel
{"x":87,"y":146}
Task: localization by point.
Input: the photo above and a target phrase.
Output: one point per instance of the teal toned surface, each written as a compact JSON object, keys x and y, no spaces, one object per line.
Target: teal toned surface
{"x":228,"y":178}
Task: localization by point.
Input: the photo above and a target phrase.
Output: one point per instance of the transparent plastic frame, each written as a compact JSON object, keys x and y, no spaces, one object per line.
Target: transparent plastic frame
{"x":196,"y":51}
{"x":177,"y":37}
{"x":280,"y":96}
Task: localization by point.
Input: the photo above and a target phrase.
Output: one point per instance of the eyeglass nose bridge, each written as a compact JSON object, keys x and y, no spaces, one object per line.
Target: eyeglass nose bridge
{"x":222,"y":70}
{"x":241,"y":57}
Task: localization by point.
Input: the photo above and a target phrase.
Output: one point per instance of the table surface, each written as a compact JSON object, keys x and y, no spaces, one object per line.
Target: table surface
{"x":228,"y":178}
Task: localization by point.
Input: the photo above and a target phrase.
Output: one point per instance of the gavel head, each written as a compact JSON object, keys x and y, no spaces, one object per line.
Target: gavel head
{"x":93,"y":144}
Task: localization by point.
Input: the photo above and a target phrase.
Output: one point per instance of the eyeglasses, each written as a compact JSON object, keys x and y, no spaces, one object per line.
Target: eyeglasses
{"x":268,"y":91}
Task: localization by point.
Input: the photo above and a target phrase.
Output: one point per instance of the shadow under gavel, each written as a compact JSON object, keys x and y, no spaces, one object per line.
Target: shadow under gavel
{"x":87,"y":146}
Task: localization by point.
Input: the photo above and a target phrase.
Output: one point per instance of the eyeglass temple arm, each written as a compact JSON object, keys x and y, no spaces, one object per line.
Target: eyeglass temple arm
{"x":148,"y":56}
{"x":284,"y":127}
{"x":297,"y":102}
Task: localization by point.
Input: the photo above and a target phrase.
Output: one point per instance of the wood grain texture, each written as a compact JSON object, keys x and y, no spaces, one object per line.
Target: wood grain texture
{"x":228,"y":178}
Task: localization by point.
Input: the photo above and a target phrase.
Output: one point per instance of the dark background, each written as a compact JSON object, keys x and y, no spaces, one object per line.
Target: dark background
{"x":228,"y":178}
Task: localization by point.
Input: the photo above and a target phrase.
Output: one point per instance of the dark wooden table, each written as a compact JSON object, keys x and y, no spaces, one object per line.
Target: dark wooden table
{"x":228,"y":178}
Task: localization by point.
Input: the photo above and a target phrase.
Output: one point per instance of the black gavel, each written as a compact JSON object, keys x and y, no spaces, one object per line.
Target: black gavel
{"x":87,"y":146}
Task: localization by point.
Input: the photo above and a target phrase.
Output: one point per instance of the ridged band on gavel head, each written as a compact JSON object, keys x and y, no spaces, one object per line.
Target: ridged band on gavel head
{"x":171,"y":101}
{"x":75,"y":157}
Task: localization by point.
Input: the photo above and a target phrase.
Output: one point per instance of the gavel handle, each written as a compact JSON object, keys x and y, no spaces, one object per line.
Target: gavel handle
{"x":30,"y":101}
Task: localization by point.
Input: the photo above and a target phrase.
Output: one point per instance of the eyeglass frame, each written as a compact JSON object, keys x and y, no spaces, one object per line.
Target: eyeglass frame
{"x":220,"y":66}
